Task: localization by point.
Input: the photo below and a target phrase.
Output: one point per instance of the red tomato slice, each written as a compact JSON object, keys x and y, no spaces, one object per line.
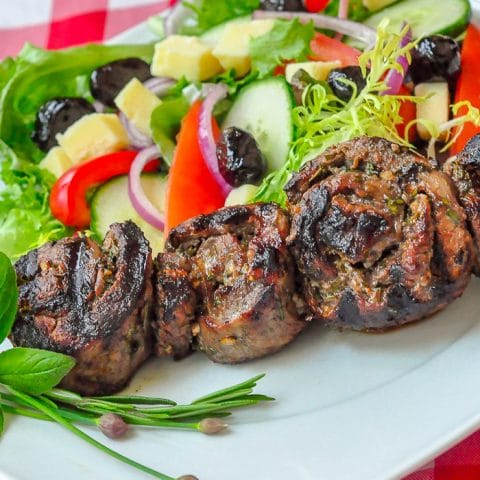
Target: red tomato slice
{"x":315,"y":6}
{"x":191,"y":189}
{"x":326,"y":49}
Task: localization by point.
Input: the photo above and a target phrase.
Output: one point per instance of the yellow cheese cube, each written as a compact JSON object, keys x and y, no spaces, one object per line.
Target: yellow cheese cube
{"x":180,"y":56}
{"x":233,"y":49}
{"x":56,"y":161}
{"x":317,"y":70}
{"x":92,"y":136}
{"x":137,"y":102}
{"x":435,"y":109}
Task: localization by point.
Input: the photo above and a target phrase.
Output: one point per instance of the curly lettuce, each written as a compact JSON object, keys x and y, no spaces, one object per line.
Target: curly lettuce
{"x":324,"y":120}
{"x":25,"y":218}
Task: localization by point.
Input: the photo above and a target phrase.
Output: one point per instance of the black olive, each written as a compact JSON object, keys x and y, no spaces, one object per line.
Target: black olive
{"x":240,"y":161}
{"x":107,"y":81}
{"x":435,"y":58}
{"x":341,"y":89}
{"x":282,"y":5}
{"x":55,"y":116}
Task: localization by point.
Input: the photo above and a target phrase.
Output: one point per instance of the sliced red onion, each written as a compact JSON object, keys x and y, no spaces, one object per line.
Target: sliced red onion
{"x":207,"y":143}
{"x":159,"y":85}
{"x":343,"y":9}
{"x":138,"y":140}
{"x":394,"y":79}
{"x":140,"y":201}
{"x":347,"y":27}
{"x":342,"y":14}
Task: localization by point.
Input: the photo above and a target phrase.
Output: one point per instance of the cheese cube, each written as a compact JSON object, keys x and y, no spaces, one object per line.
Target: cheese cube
{"x":137,"y":103}
{"x":436,"y":108}
{"x":180,"y":56}
{"x":317,"y":70}
{"x":56,"y":161}
{"x":92,"y":136}
{"x":233,"y":48}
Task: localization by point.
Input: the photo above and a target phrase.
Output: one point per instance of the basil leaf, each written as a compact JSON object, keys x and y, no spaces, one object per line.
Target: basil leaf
{"x":33,"y":371}
{"x":8,"y":296}
{"x":2,"y":421}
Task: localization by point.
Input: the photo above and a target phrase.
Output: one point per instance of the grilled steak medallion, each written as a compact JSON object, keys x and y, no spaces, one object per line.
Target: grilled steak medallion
{"x":175,"y":303}
{"x":378,"y":235}
{"x":244,"y":276}
{"x":465,"y":172}
{"x":90,"y":302}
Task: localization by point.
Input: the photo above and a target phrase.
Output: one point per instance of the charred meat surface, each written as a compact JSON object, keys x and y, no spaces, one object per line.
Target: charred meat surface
{"x":175,"y":303}
{"x":465,"y":173}
{"x":378,"y":236}
{"x":244,"y":276}
{"x":91,"y":302}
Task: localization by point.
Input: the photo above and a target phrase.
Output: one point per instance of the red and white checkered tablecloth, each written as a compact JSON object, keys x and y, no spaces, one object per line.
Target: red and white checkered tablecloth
{"x":61,"y":23}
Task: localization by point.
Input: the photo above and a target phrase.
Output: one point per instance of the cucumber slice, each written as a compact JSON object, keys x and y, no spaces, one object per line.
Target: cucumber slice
{"x":111,"y":204}
{"x":211,"y":37}
{"x":426,"y":17}
{"x":264,"y":109}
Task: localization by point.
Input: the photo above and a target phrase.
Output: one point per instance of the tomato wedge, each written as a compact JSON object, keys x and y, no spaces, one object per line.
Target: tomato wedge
{"x":408,"y":111}
{"x":68,"y":198}
{"x":191,"y":189}
{"x":468,"y":86}
{"x":326,"y":49}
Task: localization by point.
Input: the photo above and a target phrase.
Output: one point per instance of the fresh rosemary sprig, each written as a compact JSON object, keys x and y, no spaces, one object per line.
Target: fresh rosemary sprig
{"x":28,"y":377}
{"x":67,"y":408}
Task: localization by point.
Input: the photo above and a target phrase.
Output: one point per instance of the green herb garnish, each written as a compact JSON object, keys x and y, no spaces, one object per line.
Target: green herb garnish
{"x":27,"y":387}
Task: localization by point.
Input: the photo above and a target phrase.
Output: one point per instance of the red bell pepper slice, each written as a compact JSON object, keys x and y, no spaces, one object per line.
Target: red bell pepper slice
{"x":326,"y":49}
{"x":191,"y":189}
{"x":468,"y":86}
{"x":68,"y":198}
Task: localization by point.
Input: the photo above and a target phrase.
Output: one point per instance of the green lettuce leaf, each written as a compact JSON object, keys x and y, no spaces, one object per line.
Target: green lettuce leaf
{"x":356,"y":10}
{"x":37,"y":75}
{"x":288,"y":40}
{"x":25,"y":218}
{"x":210,"y":13}
{"x":165,"y":124}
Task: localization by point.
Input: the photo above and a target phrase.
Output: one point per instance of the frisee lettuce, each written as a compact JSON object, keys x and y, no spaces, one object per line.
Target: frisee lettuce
{"x":288,"y":40}
{"x":323,"y":120}
{"x":37,"y":75}
{"x":25,"y":218}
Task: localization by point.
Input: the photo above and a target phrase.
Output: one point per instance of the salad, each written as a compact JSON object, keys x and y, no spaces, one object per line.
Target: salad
{"x":271,"y":82}
{"x":355,"y":116}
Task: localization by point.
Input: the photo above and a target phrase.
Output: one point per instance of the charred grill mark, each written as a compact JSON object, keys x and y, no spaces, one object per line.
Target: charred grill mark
{"x":464,"y":171}
{"x":389,"y":246}
{"x":244,"y":277}
{"x":68,"y":307}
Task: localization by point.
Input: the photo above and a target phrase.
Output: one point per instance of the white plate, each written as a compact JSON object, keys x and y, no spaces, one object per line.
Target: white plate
{"x":349,"y":406}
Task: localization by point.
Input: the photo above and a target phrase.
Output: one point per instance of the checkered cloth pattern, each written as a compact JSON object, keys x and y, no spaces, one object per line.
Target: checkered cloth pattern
{"x":61,"y":23}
